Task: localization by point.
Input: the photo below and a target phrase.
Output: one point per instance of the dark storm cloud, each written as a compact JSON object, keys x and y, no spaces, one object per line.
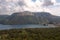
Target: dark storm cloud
{"x":47,"y":3}
{"x":21,"y":3}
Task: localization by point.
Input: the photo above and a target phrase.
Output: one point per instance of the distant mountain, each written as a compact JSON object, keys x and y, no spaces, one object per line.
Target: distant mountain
{"x":2,"y":18}
{"x":27,"y":17}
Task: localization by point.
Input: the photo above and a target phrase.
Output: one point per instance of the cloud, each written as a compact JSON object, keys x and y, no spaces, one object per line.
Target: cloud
{"x":55,"y":10}
{"x":10,"y":6}
{"x":33,"y":6}
{"x":18,"y":5}
{"x":48,"y":3}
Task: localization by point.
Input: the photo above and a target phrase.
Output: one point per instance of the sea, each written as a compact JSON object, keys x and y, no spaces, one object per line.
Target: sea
{"x":7,"y":27}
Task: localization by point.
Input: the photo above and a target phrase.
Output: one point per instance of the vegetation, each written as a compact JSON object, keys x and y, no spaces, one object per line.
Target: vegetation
{"x":24,"y":18}
{"x":29,"y":18}
{"x":31,"y":34}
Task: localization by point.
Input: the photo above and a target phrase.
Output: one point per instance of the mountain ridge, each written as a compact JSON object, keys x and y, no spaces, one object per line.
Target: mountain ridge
{"x":27,"y":17}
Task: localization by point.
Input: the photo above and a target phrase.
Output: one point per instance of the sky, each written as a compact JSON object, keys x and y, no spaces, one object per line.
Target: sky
{"x":11,"y":6}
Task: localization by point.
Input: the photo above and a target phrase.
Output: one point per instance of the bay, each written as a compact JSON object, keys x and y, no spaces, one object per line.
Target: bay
{"x":6,"y":27}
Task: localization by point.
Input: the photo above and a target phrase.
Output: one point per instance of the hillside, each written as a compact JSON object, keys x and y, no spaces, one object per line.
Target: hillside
{"x":31,"y":34}
{"x":27,"y":17}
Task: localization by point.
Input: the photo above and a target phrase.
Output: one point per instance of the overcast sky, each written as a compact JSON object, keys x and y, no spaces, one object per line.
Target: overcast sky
{"x":11,"y":6}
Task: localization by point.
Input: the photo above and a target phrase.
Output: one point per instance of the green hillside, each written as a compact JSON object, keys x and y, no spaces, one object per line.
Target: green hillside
{"x":31,"y":34}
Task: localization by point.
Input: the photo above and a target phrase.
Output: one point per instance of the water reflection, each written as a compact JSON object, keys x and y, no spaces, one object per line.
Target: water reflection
{"x":5,"y":27}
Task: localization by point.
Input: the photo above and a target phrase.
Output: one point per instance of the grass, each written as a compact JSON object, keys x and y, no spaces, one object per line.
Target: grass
{"x":31,"y":34}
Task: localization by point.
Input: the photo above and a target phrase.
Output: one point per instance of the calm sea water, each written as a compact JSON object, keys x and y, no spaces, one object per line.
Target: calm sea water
{"x":6,"y":27}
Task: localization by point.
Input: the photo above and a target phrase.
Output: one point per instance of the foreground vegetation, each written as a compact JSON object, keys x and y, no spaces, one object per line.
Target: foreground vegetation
{"x":31,"y":34}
